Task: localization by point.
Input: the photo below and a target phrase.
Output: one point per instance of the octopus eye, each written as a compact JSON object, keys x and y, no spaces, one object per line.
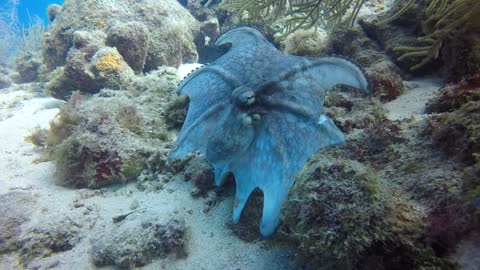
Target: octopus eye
{"x":247,"y":98}
{"x":256,"y":118}
{"x":247,"y":120}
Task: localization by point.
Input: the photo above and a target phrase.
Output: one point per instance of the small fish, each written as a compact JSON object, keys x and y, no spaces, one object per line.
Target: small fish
{"x":119,"y":218}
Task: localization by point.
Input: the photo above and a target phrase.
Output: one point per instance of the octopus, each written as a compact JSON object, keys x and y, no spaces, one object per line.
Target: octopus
{"x":257,"y":112}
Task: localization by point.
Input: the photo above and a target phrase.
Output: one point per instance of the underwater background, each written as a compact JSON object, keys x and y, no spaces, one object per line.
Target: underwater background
{"x":28,"y":8}
{"x":240,"y":134}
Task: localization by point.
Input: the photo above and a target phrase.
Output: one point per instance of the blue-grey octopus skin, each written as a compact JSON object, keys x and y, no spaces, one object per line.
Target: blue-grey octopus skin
{"x":258,"y":113}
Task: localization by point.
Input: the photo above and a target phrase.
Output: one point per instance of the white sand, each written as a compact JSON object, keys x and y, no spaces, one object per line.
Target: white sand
{"x":412,"y":102}
{"x":211,"y":245}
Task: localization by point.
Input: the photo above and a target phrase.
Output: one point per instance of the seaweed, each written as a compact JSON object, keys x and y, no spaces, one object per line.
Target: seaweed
{"x":295,"y":15}
{"x":444,"y":20}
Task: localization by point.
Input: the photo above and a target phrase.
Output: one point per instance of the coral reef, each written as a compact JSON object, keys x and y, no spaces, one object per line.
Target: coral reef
{"x":429,"y":35}
{"x":137,"y":245}
{"x":162,"y":34}
{"x":389,"y":177}
{"x":108,"y":137}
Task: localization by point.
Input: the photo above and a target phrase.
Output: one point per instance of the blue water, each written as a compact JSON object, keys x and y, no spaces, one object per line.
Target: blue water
{"x":32,"y":7}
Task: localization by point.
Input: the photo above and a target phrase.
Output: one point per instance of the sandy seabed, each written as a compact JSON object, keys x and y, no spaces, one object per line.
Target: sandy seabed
{"x":211,"y":243}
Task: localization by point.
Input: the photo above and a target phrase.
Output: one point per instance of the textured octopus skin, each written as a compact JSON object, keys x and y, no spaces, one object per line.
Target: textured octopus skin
{"x":258,"y":113}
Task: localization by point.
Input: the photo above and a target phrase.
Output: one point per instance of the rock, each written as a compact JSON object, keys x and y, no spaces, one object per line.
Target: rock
{"x":384,"y":75}
{"x":131,"y":40}
{"x":311,"y":42}
{"x":200,"y":172}
{"x":454,"y":126}
{"x":339,"y":210}
{"x":139,"y":243}
{"x":108,"y":137}
{"x":27,"y":66}
{"x":162,"y":35}
{"x":47,"y":238}
{"x":5,"y":81}
{"x":176,"y":111}
{"x":76,"y":73}
{"x":52,"y":11}
{"x":247,"y":228}
{"x":385,"y":80}
{"x":209,"y":24}
{"x":109,"y":68}
{"x":16,"y":210}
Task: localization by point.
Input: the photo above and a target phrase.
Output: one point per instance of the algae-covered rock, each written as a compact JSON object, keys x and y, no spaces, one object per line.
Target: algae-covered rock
{"x":384,"y":76}
{"x":53,"y":10}
{"x":109,"y":68}
{"x":108,"y":137}
{"x":200,"y":172}
{"x":379,"y":201}
{"x":131,"y":40}
{"x":176,"y":111}
{"x":455,"y":130}
{"x":48,"y":238}
{"x":311,"y":42}
{"x":5,"y":81}
{"x":16,"y":210}
{"x":27,"y":66}
{"x":147,"y":34}
{"x":139,"y":243}
{"x":343,"y":215}
{"x":336,"y":210}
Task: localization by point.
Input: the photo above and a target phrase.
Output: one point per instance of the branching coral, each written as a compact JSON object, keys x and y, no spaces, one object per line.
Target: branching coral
{"x":444,"y":20}
{"x":296,"y":14}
